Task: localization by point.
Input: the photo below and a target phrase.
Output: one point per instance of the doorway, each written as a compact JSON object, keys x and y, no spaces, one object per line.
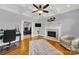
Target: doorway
{"x":27,"y":29}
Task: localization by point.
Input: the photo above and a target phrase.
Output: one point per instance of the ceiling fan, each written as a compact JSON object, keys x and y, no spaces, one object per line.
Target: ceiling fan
{"x":40,"y":9}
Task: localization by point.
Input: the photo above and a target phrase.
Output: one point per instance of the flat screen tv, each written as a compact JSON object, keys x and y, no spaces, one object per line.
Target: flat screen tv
{"x":37,"y":24}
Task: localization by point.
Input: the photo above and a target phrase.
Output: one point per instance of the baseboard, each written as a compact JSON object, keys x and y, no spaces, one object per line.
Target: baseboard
{"x":51,"y":38}
{"x":47,"y":37}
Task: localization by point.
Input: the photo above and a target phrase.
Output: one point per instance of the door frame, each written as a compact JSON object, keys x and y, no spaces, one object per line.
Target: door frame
{"x":22,"y":28}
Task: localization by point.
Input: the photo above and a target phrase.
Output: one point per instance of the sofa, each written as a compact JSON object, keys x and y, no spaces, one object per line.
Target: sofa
{"x":70,"y":42}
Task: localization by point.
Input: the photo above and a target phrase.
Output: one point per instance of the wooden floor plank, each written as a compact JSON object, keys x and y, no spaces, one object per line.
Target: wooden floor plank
{"x":58,"y":46}
{"x":23,"y":48}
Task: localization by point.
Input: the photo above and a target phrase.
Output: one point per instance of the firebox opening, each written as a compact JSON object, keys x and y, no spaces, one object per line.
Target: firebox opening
{"x":51,"y":33}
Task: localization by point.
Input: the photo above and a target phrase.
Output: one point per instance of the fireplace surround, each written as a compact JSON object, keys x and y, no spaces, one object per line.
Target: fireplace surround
{"x":54,"y":32}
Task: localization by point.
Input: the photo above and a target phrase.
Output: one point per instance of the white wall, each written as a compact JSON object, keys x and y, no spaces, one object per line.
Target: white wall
{"x":35,"y":29}
{"x":69,"y":23}
{"x":9,"y":20}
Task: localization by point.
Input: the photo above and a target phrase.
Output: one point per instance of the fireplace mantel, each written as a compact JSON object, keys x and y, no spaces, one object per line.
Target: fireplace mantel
{"x":56,"y":29}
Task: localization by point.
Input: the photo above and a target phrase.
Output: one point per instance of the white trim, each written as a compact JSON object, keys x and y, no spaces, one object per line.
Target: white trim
{"x":57,"y":28}
{"x":38,"y":34}
{"x":9,"y":9}
{"x":51,"y":38}
{"x":22,"y":22}
{"x":21,"y":30}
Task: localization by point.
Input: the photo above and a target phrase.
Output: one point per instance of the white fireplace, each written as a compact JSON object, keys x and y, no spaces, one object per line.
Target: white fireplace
{"x":54,"y":31}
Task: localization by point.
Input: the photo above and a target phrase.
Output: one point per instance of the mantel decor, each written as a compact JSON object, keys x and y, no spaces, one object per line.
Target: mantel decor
{"x":51,"y":19}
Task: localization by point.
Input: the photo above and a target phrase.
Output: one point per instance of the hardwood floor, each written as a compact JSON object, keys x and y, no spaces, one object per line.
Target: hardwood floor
{"x":58,"y":46}
{"x":23,"y":48}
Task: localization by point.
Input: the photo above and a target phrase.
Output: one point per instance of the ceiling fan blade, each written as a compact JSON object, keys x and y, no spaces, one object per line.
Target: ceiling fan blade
{"x":46,"y":6}
{"x":45,"y":11}
{"x":40,"y":6}
{"x":34,"y":11}
{"x":35,"y":6}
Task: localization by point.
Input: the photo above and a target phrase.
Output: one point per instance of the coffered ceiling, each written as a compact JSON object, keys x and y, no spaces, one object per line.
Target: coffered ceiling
{"x":26,"y":9}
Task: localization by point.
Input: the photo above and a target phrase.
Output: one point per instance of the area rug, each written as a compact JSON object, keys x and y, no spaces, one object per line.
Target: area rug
{"x":42,"y":47}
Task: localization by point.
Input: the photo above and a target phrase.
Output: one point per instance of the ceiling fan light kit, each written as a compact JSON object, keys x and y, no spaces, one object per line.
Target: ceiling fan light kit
{"x":40,"y":9}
